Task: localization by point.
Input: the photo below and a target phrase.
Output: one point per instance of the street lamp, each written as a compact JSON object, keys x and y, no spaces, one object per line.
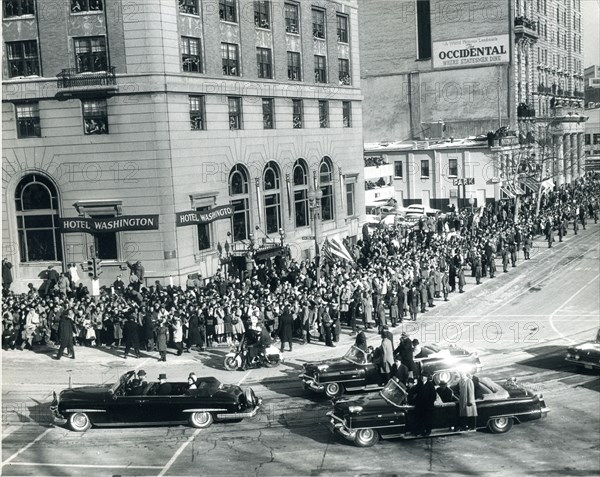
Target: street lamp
{"x":314,"y":201}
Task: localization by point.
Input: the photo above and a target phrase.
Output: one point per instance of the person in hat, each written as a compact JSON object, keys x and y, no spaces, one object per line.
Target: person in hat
{"x":192,"y":381}
{"x":164,"y":388}
{"x":131,"y":336}
{"x":425,"y":396}
{"x":138,"y":385}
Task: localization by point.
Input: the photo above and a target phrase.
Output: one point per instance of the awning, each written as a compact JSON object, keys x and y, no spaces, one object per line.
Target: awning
{"x":507,"y":192}
{"x":530,"y":183}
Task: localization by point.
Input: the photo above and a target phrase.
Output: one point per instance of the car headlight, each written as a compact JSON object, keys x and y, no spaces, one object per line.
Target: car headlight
{"x":355,"y":409}
{"x":577,"y":356}
{"x":568,"y":355}
{"x":323,"y":367}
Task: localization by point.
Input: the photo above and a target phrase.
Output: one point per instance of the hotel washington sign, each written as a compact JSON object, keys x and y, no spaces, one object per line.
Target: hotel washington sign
{"x":194,"y":217}
{"x":486,"y":50}
{"x":111,"y":224}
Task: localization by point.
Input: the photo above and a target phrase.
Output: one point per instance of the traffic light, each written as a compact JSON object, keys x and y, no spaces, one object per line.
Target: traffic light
{"x":94,"y":268}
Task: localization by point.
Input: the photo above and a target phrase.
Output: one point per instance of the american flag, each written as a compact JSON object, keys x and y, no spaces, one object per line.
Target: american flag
{"x":334,"y":248}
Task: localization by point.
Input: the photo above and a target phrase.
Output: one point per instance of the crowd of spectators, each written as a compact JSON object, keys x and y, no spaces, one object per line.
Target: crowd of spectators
{"x":398,"y":273}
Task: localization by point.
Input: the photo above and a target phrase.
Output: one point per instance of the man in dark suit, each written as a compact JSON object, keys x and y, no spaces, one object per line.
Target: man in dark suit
{"x":131,"y":335}
{"x":424,"y":405}
{"x":286,"y":328}
{"x":164,"y":388}
{"x":138,"y":386}
{"x":66,"y":328}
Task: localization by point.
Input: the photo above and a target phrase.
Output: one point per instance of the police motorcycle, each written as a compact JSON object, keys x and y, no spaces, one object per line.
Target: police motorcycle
{"x":238,"y":357}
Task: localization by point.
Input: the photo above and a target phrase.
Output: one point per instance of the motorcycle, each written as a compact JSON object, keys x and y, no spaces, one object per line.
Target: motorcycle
{"x":237,"y":358}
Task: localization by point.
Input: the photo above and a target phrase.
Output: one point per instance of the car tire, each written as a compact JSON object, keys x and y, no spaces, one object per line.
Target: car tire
{"x":79,"y":422}
{"x":366,"y":437}
{"x":201,"y":420}
{"x":334,"y":390}
{"x":231,"y":364}
{"x":500,"y":425}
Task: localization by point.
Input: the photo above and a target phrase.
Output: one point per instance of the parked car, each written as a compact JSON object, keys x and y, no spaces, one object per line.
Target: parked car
{"x":585,"y":355}
{"x":115,"y":405}
{"x":365,"y":419}
{"x":356,"y":371}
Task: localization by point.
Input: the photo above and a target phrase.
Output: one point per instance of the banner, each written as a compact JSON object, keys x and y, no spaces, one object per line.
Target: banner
{"x":194,"y":217}
{"x":119,"y":223}
{"x":465,"y":52}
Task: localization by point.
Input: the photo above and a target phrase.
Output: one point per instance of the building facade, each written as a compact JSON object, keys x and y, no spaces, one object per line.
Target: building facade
{"x":466,"y":68}
{"x":592,"y":86}
{"x":592,"y":140}
{"x":194,"y":128}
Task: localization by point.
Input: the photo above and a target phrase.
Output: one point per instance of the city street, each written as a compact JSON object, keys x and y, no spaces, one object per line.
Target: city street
{"x":520,"y":323}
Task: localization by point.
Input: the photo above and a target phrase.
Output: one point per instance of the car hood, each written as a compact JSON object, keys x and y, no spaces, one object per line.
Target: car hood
{"x":588,"y":346}
{"x":84,"y":392}
{"x":333,"y":365}
{"x":372,"y":402}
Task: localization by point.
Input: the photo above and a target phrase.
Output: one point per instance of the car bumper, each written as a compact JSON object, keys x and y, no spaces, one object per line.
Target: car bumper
{"x":241,"y":415}
{"x":545,"y":411}
{"x":57,"y":417}
{"x":310,"y":383}
{"x":338,"y":426}
{"x":584,"y":363}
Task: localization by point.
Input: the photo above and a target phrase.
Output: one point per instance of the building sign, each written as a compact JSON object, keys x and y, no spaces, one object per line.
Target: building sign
{"x":193,"y":217}
{"x":467,"y":52}
{"x":462,"y":181}
{"x":112,"y":224}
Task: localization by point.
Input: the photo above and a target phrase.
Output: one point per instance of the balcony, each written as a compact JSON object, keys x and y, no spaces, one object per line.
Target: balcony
{"x":69,"y":81}
{"x":526,"y":28}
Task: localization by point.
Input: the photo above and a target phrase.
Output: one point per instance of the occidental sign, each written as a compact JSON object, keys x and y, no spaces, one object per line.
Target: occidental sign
{"x":467,"y":52}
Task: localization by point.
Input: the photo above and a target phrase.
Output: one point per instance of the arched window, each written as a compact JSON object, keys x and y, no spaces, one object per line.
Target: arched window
{"x":272,"y":193}
{"x":326,"y":184}
{"x":240,"y":200}
{"x":300,"y":189}
{"x":36,"y":202}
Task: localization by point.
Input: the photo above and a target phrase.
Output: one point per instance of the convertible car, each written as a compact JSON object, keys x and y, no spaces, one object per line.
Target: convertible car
{"x":115,"y":405}
{"x":356,"y":372}
{"x":585,"y":355}
{"x":365,"y":419}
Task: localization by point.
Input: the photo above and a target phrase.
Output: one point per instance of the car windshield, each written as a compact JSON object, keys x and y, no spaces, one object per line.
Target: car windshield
{"x":430,"y":349}
{"x":393,"y":393}
{"x":356,"y":355}
{"x":122,"y":382}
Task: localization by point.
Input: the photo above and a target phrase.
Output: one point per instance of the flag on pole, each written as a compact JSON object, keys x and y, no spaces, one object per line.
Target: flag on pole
{"x":336,"y":248}
{"x":547,"y":185}
{"x":258,"y":200}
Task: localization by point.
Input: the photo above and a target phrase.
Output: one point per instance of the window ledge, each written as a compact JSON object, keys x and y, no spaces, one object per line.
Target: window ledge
{"x":193,"y":15}
{"x":293,"y":34}
{"x":228,"y":22}
{"x":89,"y":12}
{"x":423,"y":59}
{"x":424,"y":177}
{"x":262,"y":28}
{"x":20,"y":17}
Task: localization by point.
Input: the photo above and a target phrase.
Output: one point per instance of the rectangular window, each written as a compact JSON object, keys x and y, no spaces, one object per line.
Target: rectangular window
{"x":425,"y":168}
{"x":423,"y":30}
{"x":227,"y":11}
{"x":273,"y":212}
{"x":350,"y":199}
{"x":318,"y":21}
{"x":264,"y":63}
{"x":324,"y":114}
{"x":229,"y":55}
{"x":297,"y":113}
{"x":90,"y":54}
{"x":95,"y":117}
{"x":596,"y":138}
{"x":398,"y":170}
{"x":268,"y":107}
{"x":235,"y":113}
{"x":291,"y":11}
{"x":294,"y":69}
{"x":191,"y":57}
{"x":453,"y":167}
{"x":105,"y":243}
{"x":344,"y":71}
{"x":188,"y":6}
{"x":28,"y":120}
{"x":86,"y":6}
{"x":342,"y":28}
{"x":320,"y":69}
{"x":240,"y":222}
{"x":301,"y":208}
{"x":588,"y":139}
{"x":23,"y":58}
{"x":347,"y":114}
{"x":262,"y":14}
{"x":197,"y":113}
{"x":204,"y":235}
{"x":17,"y":8}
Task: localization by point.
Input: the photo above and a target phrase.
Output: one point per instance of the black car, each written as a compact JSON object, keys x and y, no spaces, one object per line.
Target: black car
{"x":585,"y":355}
{"x":356,"y":371}
{"x":365,"y":419}
{"x":115,"y":404}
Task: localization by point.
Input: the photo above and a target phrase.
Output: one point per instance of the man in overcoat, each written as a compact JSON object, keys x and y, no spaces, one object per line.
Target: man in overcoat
{"x":66,"y":329}
{"x":467,"y":408}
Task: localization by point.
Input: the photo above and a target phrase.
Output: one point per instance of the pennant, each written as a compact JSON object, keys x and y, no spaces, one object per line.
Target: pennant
{"x":259,"y":200}
{"x":288,"y":184}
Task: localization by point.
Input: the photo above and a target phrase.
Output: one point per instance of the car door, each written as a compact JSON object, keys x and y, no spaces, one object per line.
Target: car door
{"x":373,"y":375}
{"x":123,"y":409}
{"x":445,"y":415}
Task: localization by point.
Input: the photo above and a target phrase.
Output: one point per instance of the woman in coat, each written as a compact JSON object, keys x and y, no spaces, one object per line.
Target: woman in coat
{"x":387,"y":355}
{"x":162,"y":336}
{"x":467,"y":408}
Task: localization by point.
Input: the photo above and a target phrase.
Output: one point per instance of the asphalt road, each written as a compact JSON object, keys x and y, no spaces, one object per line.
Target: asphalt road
{"x":520,"y":322}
